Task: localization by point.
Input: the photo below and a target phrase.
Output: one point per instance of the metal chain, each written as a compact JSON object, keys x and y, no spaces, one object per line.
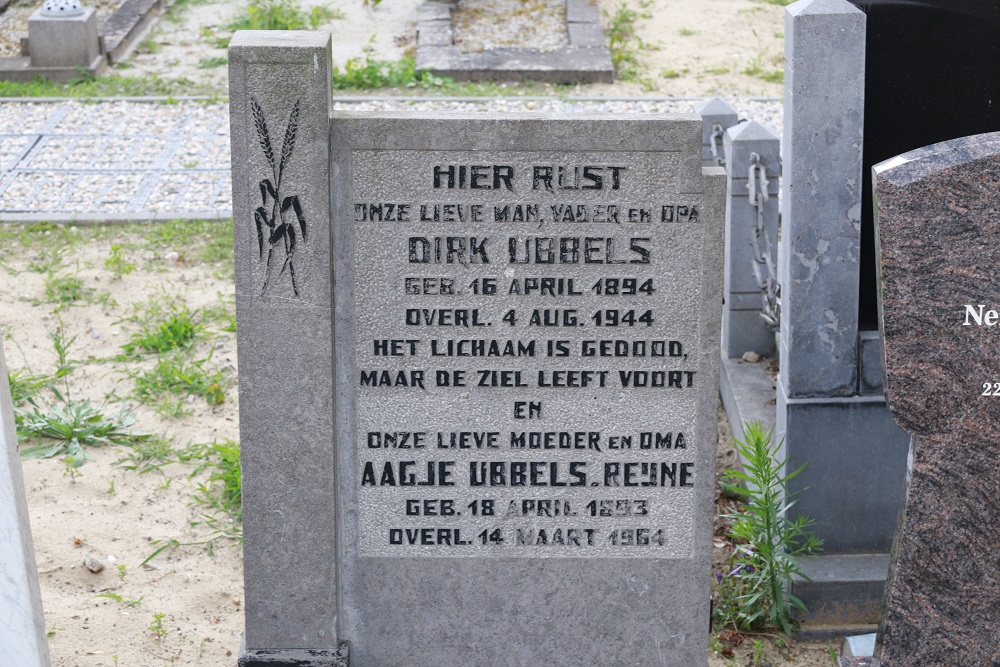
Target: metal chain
{"x":764,"y":268}
{"x":715,"y":143}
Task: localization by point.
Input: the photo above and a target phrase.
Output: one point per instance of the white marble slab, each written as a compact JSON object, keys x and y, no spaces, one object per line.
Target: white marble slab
{"x":22,"y":625}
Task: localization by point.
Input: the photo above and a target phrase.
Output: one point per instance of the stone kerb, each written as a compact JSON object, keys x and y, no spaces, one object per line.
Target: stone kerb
{"x":22,"y":624}
{"x":585,"y":60}
{"x":938,"y":249}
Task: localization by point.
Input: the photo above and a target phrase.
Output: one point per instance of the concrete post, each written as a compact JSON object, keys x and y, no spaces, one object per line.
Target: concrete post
{"x":841,"y":431}
{"x":717,"y":116}
{"x":743,"y":329}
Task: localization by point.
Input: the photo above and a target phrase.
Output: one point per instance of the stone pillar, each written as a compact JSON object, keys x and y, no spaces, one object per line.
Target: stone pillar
{"x":717,"y":116}
{"x":832,"y":421}
{"x":743,"y":329}
{"x":279,"y":89}
{"x":22,"y":625}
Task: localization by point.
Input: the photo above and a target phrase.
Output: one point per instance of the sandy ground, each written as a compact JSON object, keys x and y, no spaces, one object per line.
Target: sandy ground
{"x":121,"y":516}
{"x":691,"y":48}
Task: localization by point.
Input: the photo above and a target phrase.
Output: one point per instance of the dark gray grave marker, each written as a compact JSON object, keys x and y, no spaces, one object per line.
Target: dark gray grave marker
{"x":507,"y":457}
{"x":939,"y":248}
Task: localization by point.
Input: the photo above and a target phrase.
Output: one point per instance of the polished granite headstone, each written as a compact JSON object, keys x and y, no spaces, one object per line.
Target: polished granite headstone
{"x":938,"y":228}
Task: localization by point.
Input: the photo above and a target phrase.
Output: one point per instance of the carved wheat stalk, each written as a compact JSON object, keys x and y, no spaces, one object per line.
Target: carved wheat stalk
{"x":289,"y":144}
{"x":262,"y":134}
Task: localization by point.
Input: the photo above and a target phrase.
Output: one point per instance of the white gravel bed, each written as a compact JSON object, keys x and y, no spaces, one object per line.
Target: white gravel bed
{"x":136,"y":157}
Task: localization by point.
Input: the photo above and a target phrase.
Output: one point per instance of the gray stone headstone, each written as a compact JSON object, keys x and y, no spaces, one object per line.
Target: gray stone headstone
{"x":507,"y":455}
{"x":938,"y":248}
{"x":22,"y":625}
{"x":504,"y":284}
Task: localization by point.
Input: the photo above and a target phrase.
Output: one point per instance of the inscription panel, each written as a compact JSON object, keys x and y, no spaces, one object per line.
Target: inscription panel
{"x":523,"y":371}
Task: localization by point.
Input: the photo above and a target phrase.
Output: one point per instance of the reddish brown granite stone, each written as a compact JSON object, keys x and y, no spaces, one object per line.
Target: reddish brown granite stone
{"x":938,"y":211}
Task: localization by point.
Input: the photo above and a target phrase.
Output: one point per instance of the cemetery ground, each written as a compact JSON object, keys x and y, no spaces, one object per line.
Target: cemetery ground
{"x":138,"y":322}
{"x":689,"y":48}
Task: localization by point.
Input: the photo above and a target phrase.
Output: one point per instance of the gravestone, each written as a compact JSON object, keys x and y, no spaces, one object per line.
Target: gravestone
{"x":479,"y":374}
{"x":938,"y":251}
{"x":22,"y":625}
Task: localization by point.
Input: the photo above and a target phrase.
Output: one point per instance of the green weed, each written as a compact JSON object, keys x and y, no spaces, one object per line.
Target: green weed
{"x":276,"y":15}
{"x":121,"y":570}
{"x":717,"y":70}
{"x":320,"y":15}
{"x":117,"y":264}
{"x":687,"y":32}
{"x":755,"y":594}
{"x":623,"y":43}
{"x":174,"y":330}
{"x":173,"y":374}
{"x":148,"y":455}
{"x":66,"y":290}
{"x":367,"y":72}
{"x":127,"y":600}
{"x":105,"y":86}
{"x":222,"y":492}
{"x":50,"y":260}
{"x":73,"y":425}
{"x":211,"y":63}
{"x":24,"y":385}
{"x":157,"y":626}
{"x":64,"y":366}
{"x":208,"y":241}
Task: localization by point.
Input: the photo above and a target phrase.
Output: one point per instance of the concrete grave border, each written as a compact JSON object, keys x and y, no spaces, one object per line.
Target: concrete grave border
{"x":585,"y":60}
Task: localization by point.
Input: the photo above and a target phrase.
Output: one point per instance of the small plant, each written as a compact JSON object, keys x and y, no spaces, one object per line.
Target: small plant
{"x":63,"y":365}
{"x":211,"y":63}
{"x":121,"y":572}
{"x":223,"y":491}
{"x":49,"y":261}
{"x":172,"y":374}
{"x":117,"y":264}
{"x":128,"y":600}
{"x":148,"y":455}
{"x":755,"y":594}
{"x":73,"y":425}
{"x":66,"y":290}
{"x":368,"y":72}
{"x":759,"y":656}
{"x":320,"y":15}
{"x":111,"y":492}
{"x":24,"y":385}
{"x":157,"y":627}
{"x":275,"y":15}
{"x":687,"y":32}
{"x":51,"y":632}
{"x":71,"y":468}
{"x":176,"y":331}
{"x":622,"y":42}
